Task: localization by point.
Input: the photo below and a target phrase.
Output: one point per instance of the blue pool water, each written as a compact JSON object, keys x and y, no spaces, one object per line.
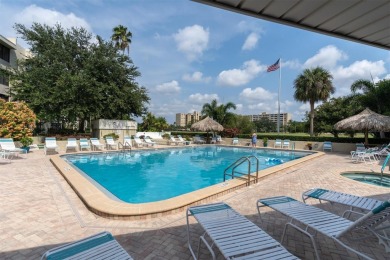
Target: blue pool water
{"x":369,"y":178}
{"x":154,"y":175}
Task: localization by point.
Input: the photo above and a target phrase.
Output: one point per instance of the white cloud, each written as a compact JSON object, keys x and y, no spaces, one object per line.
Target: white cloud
{"x":326,"y":57}
{"x":239,"y":107}
{"x":197,"y":76}
{"x":257,"y":94}
{"x":343,"y":77}
{"x":202,"y":98}
{"x":192,"y":41}
{"x":239,"y":77}
{"x":41,"y":15}
{"x":250,"y":42}
{"x":168,"y":87}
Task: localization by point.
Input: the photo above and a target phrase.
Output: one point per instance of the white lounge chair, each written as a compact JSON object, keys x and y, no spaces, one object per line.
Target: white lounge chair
{"x":199,"y":140}
{"x":50,"y":145}
{"x":286,"y":144}
{"x":127,"y":143}
{"x":95,"y":143}
{"x":138,"y":142}
{"x":352,"y":201}
{"x":309,"y":220}
{"x":110,"y":143}
{"x":172,"y":140}
{"x":181,"y":140}
{"x":71,"y":144}
{"x":278,"y":143}
{"x":234,"y":235}
{"x":84,"y":144}
{"x":8,"y":145}
{"x":99,"y":246}
{"x":235,"y":141}
{"x":327,"y":146}
{"x":149,"y":141}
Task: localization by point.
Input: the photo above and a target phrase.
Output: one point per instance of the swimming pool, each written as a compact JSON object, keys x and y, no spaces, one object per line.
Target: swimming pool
{"x":155,"y":175}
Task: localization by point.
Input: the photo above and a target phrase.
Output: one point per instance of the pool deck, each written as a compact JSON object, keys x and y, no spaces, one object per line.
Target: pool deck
{"x":39,"y":210}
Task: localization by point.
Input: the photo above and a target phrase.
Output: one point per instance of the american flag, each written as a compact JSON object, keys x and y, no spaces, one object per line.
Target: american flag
{"x":274,"y":66}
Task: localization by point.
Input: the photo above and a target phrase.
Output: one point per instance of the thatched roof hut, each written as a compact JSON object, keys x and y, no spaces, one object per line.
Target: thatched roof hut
{"x":207,"y":125}
{"x":365,"y":121}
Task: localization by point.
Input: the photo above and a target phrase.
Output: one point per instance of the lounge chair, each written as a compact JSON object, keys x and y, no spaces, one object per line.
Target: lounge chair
{"x":235,"y":236}
{"x":352,"y":201}
{"x":127,"y":143}
{"x":5,"y":155}
{"x":99,"y":246}
{"x":306,"y":218}
{"x":110,"y":143}
{"x":8,"y":145}
{"x":138,"y":142}
{"x":50,"y":145}
{"x":181,"y":140}
{"x":84,"y":144}
{"x":96,"y":145}
{"x":235,"y":141}
{"x":71,"y":144}
{"x":278,"y":143}
{"x":172,"y":140}
{"x":149,"y":141}
{"x":327,"y":146}
{"x":199,"y":140}
{"x":286,"y":144}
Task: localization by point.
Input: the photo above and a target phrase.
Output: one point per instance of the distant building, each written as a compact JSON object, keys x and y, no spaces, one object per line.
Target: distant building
{"x":283,"y":117}
{"x":184,"y":119}
{"x":10,"y":52}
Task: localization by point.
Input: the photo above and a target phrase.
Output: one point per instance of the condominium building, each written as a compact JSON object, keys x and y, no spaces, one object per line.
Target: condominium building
{"x":283,"y":117}
{"x":10,"y":52}
{"x":185,"y":119}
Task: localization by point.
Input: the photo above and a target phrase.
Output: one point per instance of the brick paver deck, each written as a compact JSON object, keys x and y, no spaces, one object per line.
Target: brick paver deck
{"x":39,"y":210}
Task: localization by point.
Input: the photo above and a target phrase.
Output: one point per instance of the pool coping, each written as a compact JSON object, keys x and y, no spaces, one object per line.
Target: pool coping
{"x":99,"y":203}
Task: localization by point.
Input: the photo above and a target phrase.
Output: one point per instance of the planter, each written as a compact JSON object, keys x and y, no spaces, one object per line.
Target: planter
{"x":27,"y":148}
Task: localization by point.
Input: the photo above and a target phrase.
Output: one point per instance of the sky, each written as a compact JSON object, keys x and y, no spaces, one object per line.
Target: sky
{"x":189,"y":54}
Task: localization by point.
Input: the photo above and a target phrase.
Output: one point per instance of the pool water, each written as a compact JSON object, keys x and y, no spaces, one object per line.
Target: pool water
{"x":369,"y":178}
{"x":154,"y":175}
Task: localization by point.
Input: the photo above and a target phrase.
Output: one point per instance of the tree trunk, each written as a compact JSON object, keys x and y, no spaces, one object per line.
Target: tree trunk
{"x":311,"y":119}
{"x":81,"y":126}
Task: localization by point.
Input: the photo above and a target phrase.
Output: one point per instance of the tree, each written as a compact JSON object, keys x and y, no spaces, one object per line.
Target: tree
{"x":332,"y":111}
{"x":373,"y":95}
{"x":265,"y":125}
{"x":69,"y":77}
{"x":17,"y":120}
{"x":150,"y":123}
{"x":311,"y":86}
{"x":219,"y":113}
{"x":243,"y":123}
{"x":122,"y":38}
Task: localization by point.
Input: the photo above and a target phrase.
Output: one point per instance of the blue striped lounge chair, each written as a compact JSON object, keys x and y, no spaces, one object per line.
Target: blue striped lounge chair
{"x":311,"y":220}
{"x":8,"y":147}
{"x":278,"y":143}
{"x":71,"y":144}
{"x":84,"y":144}
{"x":286,"y":144}
{"x":234,"y":235}
{"x":50,"y":145}
{"x":110,"y":143}
{"x":97,"y":247}
{"x":327,"y":146}
{"x":96,"y":144}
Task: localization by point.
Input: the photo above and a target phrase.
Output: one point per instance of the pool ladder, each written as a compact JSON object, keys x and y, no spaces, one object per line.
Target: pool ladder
{"x":243,"y":175}
{"x":124,"y":147}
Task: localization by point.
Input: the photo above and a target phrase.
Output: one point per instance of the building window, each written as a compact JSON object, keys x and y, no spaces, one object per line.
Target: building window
{"x":4,"y":80}
{"x":4,"y":53}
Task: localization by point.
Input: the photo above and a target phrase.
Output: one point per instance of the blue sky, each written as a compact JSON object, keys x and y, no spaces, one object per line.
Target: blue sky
{"x":189,"y":53}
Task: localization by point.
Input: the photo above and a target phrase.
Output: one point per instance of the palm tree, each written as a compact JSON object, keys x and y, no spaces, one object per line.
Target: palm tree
{"x":218,"y":113}
{"x":311,"y":86}
{"x":122,"y":38}
{"x":372,"y":95}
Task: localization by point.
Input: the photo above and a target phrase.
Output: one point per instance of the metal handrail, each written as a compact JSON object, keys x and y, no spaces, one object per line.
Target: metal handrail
{"x":237,"y":163}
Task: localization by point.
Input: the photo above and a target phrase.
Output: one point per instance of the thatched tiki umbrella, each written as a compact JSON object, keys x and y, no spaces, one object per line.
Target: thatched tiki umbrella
{"x":207,"y":125}
{"x":366,"y":120}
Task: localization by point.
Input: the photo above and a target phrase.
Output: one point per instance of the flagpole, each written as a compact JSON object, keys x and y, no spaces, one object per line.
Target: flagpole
{"x":280,"y":85}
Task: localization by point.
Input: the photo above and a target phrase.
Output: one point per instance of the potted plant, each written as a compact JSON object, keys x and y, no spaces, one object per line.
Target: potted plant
{"x":265,"y":141}
{"x":309,"y":145}
{"x":26,"y":142}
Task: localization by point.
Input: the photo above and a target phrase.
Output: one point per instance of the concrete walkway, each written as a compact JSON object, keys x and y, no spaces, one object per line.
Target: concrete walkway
{"x":39,"y":210}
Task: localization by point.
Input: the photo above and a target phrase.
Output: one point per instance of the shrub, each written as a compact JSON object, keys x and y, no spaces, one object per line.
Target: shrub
{"x":113,"y":135}
{"x":17,"y":120}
